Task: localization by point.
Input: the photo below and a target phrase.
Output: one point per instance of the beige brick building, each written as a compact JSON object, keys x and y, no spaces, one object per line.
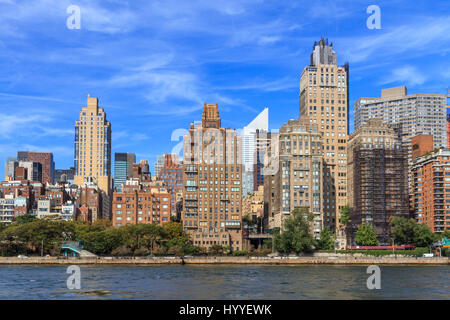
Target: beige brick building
{"x":324,"y":102}
{"x":298,"y":180}
{"x":212,"y":177}
{"x":93,"y":146}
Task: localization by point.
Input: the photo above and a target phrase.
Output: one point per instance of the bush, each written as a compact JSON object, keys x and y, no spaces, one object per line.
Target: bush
{"x":176,"y":250}
{"x":240,"y":253}
{"x":417,"y":252}
{"x":141,"y":252}
{"x":121,"y":251}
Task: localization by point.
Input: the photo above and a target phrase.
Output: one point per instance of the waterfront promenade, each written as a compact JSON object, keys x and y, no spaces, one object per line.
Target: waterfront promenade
{"x":305,"y":260}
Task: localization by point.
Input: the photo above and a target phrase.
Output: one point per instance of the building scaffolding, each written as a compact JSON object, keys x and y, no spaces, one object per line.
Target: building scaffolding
{"x":380,"y":190}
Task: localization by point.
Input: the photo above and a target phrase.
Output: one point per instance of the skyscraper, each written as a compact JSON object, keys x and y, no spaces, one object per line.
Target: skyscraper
{"x":262,"y":144}
{"x":416,"y":113}
{"x":93,"y":146}
{"x":212,"y":176}
{"x":324,"y":99}
{"x":260,"y":123}
{"x":123,"y":168}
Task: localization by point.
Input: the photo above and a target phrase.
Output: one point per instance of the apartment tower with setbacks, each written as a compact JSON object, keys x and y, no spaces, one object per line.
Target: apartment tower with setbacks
{"x":324,"y":94}
{"x":212,"y":177}
{"x":93,"y":146}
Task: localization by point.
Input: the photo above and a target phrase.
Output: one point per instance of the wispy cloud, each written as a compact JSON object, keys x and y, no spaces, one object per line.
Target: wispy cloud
{"x":408,"y":75}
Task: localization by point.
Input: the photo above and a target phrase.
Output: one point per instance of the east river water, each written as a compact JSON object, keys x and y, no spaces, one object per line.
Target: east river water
{"x":236,"y":282}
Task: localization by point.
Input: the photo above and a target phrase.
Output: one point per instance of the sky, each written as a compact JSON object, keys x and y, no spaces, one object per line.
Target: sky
{"x":153,"y":64}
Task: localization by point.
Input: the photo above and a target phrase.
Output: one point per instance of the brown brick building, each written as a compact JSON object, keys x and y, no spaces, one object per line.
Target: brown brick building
{"x":140,"y":203}
{"x":212,"y":177}
{"x":44,"y":158}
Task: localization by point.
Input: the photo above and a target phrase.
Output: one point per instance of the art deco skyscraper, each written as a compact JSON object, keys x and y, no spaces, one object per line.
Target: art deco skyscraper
{"x":212,"y":177}
{"x":324,"y":99}
{"x":93,"y":146}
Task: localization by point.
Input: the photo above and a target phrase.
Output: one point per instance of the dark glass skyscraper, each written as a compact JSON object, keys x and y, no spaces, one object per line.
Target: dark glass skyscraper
{"x":123,"y":168}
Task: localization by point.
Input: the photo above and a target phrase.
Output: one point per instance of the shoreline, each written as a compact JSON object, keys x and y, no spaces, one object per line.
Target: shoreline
{"x":331,"y":260}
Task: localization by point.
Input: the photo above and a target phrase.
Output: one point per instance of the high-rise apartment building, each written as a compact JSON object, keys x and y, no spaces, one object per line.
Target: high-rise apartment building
{"x":298,"y":182}
{"x":430,"y":188}
{"x":46,"y":161}
{"x":172,"y":175}
{"x":417,"y":113}
{"x":123,"y":168}
{"x":212,"y":176}
{"x":93,"y":146}
{"x":324,"y":101}
{"x":377,"y":177}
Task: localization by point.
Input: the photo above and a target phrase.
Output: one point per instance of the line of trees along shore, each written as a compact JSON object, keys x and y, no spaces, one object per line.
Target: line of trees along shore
{"x":29,"y":235}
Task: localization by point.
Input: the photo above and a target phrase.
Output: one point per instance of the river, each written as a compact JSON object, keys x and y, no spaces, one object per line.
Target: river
{"x":237,"y":282}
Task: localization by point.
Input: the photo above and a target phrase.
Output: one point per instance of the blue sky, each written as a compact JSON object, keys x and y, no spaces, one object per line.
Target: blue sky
{"x":153,"y":63}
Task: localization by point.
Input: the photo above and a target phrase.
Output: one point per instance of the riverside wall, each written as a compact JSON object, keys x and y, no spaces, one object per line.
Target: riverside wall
{"x":312,"y":260}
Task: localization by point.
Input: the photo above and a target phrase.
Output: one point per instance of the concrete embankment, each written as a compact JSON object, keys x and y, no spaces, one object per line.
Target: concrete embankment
{"x":311,"y":260}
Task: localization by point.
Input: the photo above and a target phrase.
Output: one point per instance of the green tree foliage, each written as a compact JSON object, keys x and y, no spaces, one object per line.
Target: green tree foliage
{"x":326,"y":241}
{"x":366,"y":236}
{"x":296,"y":236}
{"x":423,"y":237}
{"x":408,"y":231}
{"x":216,"y":250}
{"x":30,"y":236}
{"x":344,"y":216}
{"x":445,"y":234}
{"x":25,"y":218}
{"x":402,"y":230}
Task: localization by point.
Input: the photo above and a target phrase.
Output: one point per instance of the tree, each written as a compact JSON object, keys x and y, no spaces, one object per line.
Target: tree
{"x":402,"y":230}
{"x":26,"y":218}
{"x":423,"y":237}
{"x":366,"y":236}
{"x":445,"y":234}
{"x":216,"y":249}
{"x":296,"y":236}
{"x":326,"y":241}
{"x":344,"y":217}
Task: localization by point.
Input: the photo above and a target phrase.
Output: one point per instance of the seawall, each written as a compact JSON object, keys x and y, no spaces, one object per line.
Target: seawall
{"x":330,"y":260}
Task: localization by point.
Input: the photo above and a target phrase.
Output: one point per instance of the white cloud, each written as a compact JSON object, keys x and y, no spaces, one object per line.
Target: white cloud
{"x":407,"y":75}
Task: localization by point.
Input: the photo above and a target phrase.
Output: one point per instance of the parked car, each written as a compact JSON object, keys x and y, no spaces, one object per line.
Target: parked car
{"x":21,"y":256}
{"x":428,"y":255}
